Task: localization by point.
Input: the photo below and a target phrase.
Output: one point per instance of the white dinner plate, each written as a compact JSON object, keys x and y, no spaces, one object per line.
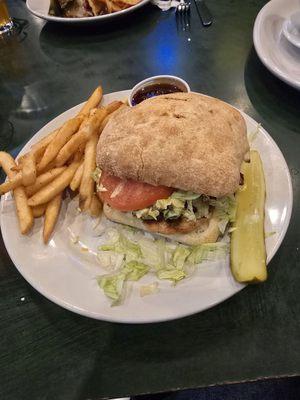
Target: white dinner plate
{"x":65,"y":274}
{"x":40,"y":8}
{"x":280,"y":56}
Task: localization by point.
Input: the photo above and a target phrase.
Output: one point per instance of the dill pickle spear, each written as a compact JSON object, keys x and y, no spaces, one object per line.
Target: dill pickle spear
{"x":248,"y":252}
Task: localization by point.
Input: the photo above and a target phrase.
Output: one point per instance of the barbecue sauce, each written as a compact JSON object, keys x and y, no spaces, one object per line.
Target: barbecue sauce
{"x":156,"y":89}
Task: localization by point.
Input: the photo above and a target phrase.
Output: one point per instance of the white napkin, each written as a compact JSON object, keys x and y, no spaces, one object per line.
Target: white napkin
{"x":165,"y":4}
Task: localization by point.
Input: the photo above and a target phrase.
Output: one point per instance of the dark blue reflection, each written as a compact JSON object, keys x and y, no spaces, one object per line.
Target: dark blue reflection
{"x":163,"y":46}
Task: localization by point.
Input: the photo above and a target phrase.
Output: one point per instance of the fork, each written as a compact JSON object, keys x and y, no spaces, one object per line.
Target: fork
{"x":183,"y":6}
{"x":183,"y":15}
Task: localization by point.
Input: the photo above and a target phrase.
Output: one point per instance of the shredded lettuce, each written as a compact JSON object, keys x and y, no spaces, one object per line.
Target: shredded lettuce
{"x":269,"y":234}
{"x":180,"y":204}
{"x":183,"y":196}
{"x":131,"y":250}
{"x":161,"y":250}
{"x":172,"y":213}
{"x":173,"y":274}
{"x":135,"y":270}
{"x":130,"y":255}
{"x":112,"y":285}
{"x":202,"y":207}
{"x":101,"y":188}
{"x":222,"y":225}
{"x":147,"y":213}
{"x":208,"y":252}
{"x":253,"y":135}
{"x":96,"y":174}
{"x":180,"y":255}
{"x":191,"y":206}
{"x":110,"y":260}
{"x":149,"y":251}
{"x":146,"y":290}
{"x":165,"y":203}
{"x":225,"y":210}
{"x":225,"y":206}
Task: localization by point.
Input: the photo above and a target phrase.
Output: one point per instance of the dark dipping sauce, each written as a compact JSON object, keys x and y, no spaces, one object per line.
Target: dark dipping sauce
{"x":156,"y":89}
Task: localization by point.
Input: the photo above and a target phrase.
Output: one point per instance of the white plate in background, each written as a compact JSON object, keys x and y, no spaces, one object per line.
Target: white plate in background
{"x":40,"y":8}
{"x":280,"y":56}
{"x":65,"y":274}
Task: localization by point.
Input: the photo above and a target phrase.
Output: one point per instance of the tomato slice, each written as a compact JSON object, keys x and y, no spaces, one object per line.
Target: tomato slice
{"x":130,"y":195}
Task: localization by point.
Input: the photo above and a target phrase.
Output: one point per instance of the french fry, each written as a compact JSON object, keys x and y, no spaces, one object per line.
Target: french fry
{"x":50,"y":166}
{"x":38,"y":211}
{"x":24,"y":212}
{"x":51,"y":216}
{"x":8,"y":164}
{"x":92,"y":112}
{"x":79,"y":153}
{"x":43,"y":180}
{"x":85,"y":118}
{"x":75,"y":182}
{"x":108,"y":6}
{"x":87,"y":184}
{"x":84,"y":204}
{"x":38,"y":148}
{"x":100,"y":113}
{"x":28,"y":169}
{"x":107,"y":118}
{"x":92,"y":102}
{"x":47,"y":176}
{"x":91,"y":126}
{"x":11,"y":184}
{"x":48,"y":192}
{"x":96,"y":6}
{"x":62,"y":137}
{"x":17,"y":168}
{"x":104,"y":122}
{"x":45,"y":141}
{"x":113,"y":106}
{"x":95,"y":206}
{"x":127,"y":2}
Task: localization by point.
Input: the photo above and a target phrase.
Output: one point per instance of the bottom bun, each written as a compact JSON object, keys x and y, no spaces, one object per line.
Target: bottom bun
{"x":210,"y":235}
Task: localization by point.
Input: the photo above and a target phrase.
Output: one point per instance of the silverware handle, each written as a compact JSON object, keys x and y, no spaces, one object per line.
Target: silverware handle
{"x":203,"y":12}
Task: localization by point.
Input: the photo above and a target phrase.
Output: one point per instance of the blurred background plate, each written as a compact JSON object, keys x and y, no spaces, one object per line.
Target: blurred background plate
{"x":40,"y":9}
{"x":280,"y":56}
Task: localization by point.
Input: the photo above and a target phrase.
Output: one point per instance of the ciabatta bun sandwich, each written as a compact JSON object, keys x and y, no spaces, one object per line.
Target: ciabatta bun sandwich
{"x":171,"y":166}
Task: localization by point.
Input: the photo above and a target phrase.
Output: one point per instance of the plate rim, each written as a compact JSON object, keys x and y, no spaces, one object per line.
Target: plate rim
{"x":83,"y":20}
{"x":91,"y":314}
{"x":258,"y":48}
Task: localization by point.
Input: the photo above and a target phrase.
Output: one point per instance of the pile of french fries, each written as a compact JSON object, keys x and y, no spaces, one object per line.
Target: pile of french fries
{"x":65,"y":158}
{"x":118,"y":5}
{"x":78,"y":9}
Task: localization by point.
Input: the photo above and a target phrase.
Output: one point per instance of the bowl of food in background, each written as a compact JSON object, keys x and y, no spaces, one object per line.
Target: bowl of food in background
{"x":82,"y":11}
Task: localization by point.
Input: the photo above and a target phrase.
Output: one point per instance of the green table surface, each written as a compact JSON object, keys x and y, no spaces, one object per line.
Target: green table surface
{"x":49,"y":353}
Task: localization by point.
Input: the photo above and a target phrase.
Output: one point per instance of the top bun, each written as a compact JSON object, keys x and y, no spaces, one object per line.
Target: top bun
{"x":186,"y":141}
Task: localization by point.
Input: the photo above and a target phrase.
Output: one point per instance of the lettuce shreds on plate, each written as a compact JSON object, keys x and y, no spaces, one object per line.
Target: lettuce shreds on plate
{"x":146,"y":290}
{"x":253,"y":135}
{"x":129,"y":255}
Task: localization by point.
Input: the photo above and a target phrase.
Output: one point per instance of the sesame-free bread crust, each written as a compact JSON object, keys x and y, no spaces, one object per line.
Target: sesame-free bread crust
{"x":183,"y":140}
